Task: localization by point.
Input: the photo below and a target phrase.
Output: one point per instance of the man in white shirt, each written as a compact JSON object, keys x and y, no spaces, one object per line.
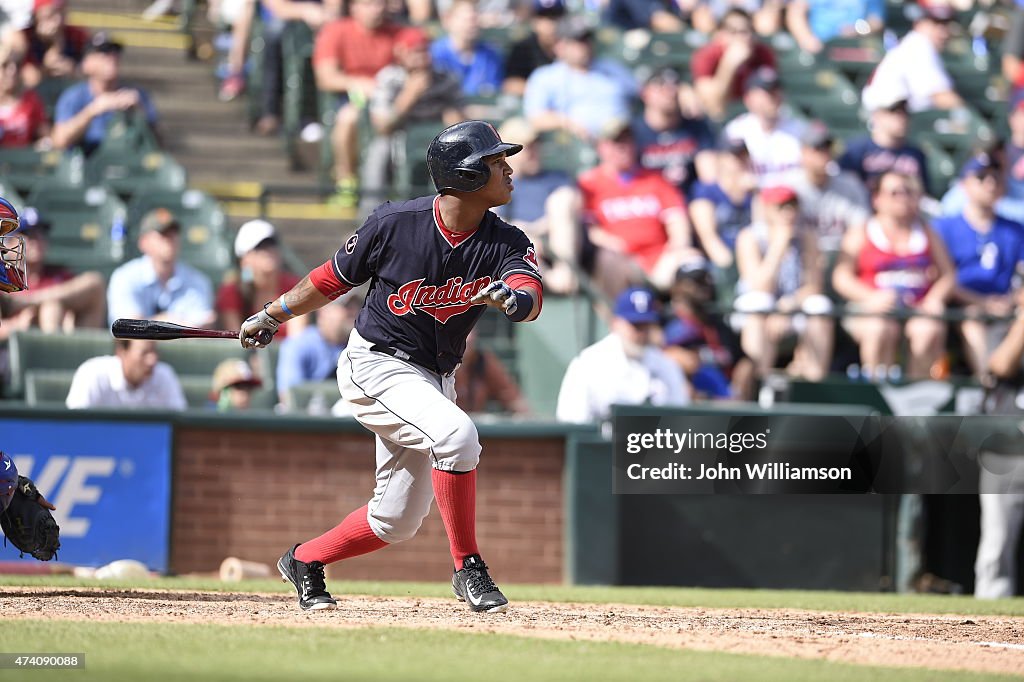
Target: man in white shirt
{"x":132,"y":377}
{"x":771,"y":135}
{"x":915,"y":65}
{"x":623,"y":368}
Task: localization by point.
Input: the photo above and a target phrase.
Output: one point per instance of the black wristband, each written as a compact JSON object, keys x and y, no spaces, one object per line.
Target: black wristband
{"x":524,"y":306}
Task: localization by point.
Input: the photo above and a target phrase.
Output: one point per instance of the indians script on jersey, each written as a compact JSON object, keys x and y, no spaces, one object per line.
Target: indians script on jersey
{"x":440,"y":302}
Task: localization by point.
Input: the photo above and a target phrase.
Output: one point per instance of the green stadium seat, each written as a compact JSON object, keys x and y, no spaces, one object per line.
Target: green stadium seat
{"x":205,"y":241}
{"x":855,"y":57}
{"x":326,"y":393}
{"x":128,"y":131}
{"x":50,"y":90}
{"x":955,"y":131}
{"x":129,"y":172}
{"x":7,"y":191}
{"x":23,"y":168}
{"x":46,"y":386}
{"x":199,"y":357}
{"x":87,"y":225}
{"x":411,"y":176}
{"x":941,"y":167}
{"x":32,"y":350}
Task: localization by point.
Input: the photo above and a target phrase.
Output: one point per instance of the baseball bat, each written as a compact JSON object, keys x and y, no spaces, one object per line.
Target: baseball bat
{"x":158,"y":330}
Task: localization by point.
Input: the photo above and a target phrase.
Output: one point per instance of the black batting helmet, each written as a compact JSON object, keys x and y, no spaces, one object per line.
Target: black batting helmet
{"x":455,"y":158}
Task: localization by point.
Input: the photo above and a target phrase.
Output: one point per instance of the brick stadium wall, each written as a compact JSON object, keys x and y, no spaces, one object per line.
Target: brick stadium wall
{"x":252,"y":494}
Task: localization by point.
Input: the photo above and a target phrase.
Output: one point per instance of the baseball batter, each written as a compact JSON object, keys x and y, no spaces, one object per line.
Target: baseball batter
{"x":432,"y":264}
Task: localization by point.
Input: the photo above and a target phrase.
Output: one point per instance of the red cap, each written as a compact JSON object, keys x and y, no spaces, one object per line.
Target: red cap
{"x":778,"y":195}
{"x":40,"y":4}
{"x":412,"y":38}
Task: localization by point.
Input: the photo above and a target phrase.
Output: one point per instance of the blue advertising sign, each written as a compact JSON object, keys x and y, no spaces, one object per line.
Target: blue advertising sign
{"x":110,"y":482}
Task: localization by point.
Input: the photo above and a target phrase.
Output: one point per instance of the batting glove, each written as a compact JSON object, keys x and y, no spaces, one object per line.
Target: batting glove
{"x":258,"y":330}
{"x":498,"y":295}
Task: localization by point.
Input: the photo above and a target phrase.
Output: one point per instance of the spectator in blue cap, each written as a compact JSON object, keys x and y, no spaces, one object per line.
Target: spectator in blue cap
{"x":627,"y":367}
{"x":535,"y":50}
{"x":986,"y":249}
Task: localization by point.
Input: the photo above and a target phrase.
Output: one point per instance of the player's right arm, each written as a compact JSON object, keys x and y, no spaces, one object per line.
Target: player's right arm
{"x":353,"y":264}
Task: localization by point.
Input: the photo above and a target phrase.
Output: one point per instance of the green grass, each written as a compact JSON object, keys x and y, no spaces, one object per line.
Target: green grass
{"x":117,"y":652}
{"x":655,"y":596}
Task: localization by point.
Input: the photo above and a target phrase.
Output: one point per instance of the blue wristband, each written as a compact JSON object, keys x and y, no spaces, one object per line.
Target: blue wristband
{"x":285,"y":308}
{"x":524,"y":306}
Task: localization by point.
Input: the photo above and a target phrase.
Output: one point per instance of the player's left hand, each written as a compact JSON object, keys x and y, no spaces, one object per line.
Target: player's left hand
{"x":258,"y":330}
{"x":497,"y":295}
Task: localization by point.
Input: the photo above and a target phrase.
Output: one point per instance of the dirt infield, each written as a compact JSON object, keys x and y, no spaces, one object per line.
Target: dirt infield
{"x":978,"y":643}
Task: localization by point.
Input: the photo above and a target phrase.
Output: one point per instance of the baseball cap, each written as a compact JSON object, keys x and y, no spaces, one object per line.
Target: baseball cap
{"x":158,"y":220}
{"x":765,"y":78}
{"x":693,"y":268}
{"x":102,"y":42}
{"x":817,"y":135}
{"x":664,"y":76}
{"x":888,"y":96}
{"x":980,"y":164}
{"x":933,"y":11}
{"x":412,"y":38}
{"x":234,"y":373}
{"x":40,"y":4}
{"x":637,"y":305}
{"x":575,"y":28}
{"x":252,"y":234}
{"x":614,"y":129}
{"x":778,"y":195}
{"x":518,"y":130}
{"x":549,"y":8}
{"x":33,"y":224}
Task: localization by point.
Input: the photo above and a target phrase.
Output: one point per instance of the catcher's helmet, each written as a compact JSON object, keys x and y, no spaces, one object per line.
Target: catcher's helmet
{"x":455,"y":158}
{"x":8,"y":480}
{"x":13,"y":274}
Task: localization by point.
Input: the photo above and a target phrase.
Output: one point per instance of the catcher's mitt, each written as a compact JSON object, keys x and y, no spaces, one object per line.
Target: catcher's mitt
{"x":28,"y":525}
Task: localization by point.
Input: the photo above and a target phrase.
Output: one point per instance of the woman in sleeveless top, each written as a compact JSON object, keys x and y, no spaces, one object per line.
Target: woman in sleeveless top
{"x":895,"y":262}
{"x":780,"y":270}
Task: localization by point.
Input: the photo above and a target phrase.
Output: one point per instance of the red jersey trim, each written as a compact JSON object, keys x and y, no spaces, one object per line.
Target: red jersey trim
{"x":521,"y":281}
{"x":326,"y":281}
{"x":453,"y":238}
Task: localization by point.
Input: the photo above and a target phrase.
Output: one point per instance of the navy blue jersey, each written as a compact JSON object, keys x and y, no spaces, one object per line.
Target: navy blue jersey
{"x":868,"y":160}
{"x":420,"y":284}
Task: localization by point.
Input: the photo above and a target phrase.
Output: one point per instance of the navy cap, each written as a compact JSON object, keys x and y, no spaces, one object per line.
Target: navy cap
{"x":549,"y":8}
{"x":637,"y":306}
{"x":765,"y":78}
{"x":817,"y":135}
{"x":32,"y":223}
{"x":979,"y":164}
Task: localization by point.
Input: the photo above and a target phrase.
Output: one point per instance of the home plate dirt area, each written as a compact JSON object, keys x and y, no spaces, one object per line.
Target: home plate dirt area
{"x":978,"y":643}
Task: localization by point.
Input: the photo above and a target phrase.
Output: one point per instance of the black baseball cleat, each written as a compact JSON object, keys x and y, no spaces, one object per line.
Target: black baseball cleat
{"x":308,"y":581}
{"x":474,"y":586}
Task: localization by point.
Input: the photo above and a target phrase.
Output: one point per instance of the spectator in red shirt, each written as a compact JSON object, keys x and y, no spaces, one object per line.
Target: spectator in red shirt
{"x":56,"y":299}
{"x":55,"y":50}
{"x":634,"y":211}
{"x":261,"y":278}
{"x":22,"y":114}
{"x":346,"y":58}
{"x":721,"y":68}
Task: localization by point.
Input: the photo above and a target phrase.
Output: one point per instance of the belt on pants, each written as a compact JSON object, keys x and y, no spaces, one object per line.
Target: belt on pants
{"x":402,"y":355}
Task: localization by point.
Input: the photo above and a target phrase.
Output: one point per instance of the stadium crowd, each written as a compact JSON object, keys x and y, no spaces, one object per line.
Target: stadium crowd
{"x":770,"y":240}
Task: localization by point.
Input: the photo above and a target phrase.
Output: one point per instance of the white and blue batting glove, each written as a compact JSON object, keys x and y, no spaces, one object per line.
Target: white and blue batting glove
{"x":258,"y":330}
{"x":498,"y":295}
